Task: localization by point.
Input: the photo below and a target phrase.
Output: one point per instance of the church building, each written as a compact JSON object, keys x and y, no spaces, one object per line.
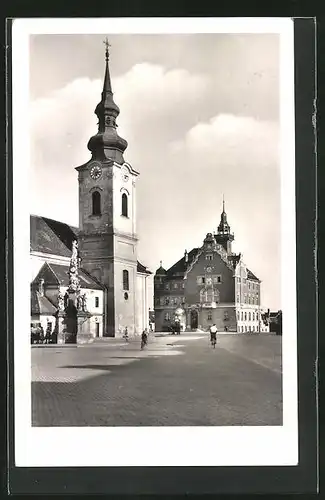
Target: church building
{"x":87,"y":280}
{"x":208,"y":285}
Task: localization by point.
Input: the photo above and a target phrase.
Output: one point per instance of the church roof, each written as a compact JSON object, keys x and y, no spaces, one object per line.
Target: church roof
{"x":142,"y":269}
{"x":50,"y":236}
{"x":41,"y":305}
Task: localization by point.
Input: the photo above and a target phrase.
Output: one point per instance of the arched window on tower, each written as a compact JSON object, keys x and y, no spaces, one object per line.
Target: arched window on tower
{"x":96,"y":203}
{"x":125,"y":279}
{"x":124,"y":205}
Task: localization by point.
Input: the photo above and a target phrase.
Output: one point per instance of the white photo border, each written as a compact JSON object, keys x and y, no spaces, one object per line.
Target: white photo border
{"x":151,"y":446}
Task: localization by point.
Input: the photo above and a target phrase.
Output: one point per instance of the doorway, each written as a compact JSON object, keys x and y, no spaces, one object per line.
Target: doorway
{"x":97,"y":329}
{"x":194,"y":319}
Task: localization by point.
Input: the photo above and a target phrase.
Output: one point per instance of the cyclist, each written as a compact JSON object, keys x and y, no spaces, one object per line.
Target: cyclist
{"x":213,"y":334}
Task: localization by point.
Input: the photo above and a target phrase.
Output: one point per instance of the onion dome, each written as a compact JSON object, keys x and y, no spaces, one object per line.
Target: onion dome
{"x":107,"y":144}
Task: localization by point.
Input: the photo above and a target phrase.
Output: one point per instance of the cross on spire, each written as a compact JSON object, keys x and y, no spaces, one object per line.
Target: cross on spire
{"x":107,"y":44}
{"x":223,"y":202}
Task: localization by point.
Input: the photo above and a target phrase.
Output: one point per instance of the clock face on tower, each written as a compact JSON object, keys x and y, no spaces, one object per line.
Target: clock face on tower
{"x":95,"y":171}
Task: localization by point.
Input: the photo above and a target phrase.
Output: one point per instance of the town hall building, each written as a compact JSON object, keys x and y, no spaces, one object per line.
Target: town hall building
{"x":87,"y":280}
{"x":208,"y":285}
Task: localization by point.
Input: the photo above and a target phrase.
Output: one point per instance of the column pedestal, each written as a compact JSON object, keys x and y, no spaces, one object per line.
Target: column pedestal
{"x":84,"y":333}
{"x":61,"y":327}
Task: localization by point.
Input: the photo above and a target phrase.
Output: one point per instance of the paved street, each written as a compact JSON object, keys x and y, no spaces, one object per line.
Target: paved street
{"x":176,"y":380}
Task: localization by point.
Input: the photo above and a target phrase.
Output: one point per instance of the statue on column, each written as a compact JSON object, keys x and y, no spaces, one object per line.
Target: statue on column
{"x":74,"y":283}
{"x":84,"y":302}
{"x":61,"y":302}
{"x":79,"y":302}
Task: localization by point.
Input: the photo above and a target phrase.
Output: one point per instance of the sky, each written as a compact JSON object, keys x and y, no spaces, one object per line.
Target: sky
{"x":200,"y":113}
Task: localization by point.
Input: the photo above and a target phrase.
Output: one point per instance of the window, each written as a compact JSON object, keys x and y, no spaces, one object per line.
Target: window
{"x":175,"y":285}
{"x":245,"y":328}
{"x":209,"y":316}
{"x":239,"y":280}
{"x":242,"y":315}
{"x":245,"y":298}
{"x":253,"y":328}
{"x":125,"y":279}
{"x":237,"y":297}
{"x":249,"y":317}
{"x":161,"y":300}
{"x":245,"y":316}
{"x":96,"y":301}
{"x":218,"y":279}
{"x":167,"y":286}
{"x":242,"y":329}
{"x":167,"y":316}
{"x":203,"y":280}
{"x":249,"y":285}
{"x":96,"y":203}
{"x":183,"y":285}
{"x":253,"y":315}
{"x":209,"y":256}
{"x":124,"y":205}
{"x":166,"y":301}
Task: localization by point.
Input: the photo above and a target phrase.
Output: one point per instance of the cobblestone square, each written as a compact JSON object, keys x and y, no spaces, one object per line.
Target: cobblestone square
{"x":175,"y":381}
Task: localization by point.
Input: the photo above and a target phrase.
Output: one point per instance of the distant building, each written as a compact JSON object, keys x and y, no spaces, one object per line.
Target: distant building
{"x":276,"y":322}
{"x":210,"y":284}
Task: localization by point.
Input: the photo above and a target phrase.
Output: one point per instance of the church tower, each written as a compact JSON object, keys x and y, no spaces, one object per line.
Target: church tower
{"x":107,"y":215}
{"x":224,"y":237}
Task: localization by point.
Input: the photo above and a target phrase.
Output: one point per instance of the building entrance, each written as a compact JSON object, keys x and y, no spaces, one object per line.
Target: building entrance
{"x":194,"y":319}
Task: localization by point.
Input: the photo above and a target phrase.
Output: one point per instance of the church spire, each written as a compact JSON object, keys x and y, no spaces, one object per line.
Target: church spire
{"x":107,"y":144}
{"x":224,"y":236}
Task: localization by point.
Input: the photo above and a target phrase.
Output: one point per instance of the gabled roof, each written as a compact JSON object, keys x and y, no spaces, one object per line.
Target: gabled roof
{"x":57,"y":274}
{"x":251,"y":276}
{"x":142,"y":269}
{"x":41,"y":305}
{"x":180,"y":267}
{"x":50,"y":236}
